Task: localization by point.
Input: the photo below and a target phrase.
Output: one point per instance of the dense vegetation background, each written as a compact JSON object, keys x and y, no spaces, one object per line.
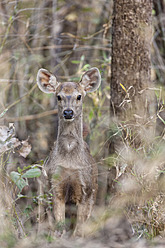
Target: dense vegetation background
{"x":67,"y":38}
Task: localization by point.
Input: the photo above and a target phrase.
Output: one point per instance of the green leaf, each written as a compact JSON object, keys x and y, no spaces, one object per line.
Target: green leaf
{"x":85,"y":67}
{"x":153,"y":12}
{"x":19,"y":170}
{"x":75,"y":62}
{"x":99,"y":113}
{"x":18,"y":180}
{"x":161,"y":118}
{"x":3,"y":113}
{"x":91,"y":115}
{"x":82,"y":58}
{"x":34,"y":172}
{"x":21,"y":196}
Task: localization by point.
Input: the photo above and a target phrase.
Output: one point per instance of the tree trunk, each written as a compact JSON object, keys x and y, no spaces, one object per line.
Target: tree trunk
{"x":158,"y":57}
{"x":131,"y":97}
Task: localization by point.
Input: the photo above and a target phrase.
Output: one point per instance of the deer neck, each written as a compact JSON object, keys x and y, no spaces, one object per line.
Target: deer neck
{"x":70,"y":134}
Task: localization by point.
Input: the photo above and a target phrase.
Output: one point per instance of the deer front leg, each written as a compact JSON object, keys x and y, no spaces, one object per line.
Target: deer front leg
{"x":81,"y":218}
{"x":59,"y":213}
{"x":83,"y":213}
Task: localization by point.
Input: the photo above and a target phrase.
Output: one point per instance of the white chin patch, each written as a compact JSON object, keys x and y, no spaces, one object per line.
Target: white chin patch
{"x":69,"y":120}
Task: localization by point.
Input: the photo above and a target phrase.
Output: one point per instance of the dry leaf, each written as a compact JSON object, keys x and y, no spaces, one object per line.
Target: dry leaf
{"x":7,"y":139}
{"x":25,"y":148}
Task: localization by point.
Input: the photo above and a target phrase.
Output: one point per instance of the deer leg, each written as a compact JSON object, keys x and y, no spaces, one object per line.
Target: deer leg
{"x":59,"y":213}
{"x":83,"y":213}
{"x":89,"y":206}
{"x":81,"y":218}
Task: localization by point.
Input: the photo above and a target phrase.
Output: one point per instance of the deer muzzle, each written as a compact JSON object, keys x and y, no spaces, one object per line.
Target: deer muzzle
{"x":68,"y":114}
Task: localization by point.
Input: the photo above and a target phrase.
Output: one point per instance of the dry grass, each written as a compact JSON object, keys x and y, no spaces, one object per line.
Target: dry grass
{"x":134,"y":214}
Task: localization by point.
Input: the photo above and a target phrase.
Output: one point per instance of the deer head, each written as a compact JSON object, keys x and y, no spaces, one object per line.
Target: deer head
{"x":69,"y":94}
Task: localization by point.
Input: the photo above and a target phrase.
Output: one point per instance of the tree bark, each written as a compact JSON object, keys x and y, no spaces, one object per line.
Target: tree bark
{"x":131,"y":97}
{"x":158,"y":58}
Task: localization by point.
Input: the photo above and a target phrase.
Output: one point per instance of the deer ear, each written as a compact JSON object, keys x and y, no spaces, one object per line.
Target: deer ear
{"x":46,"y":81}
{"x":91,"y":80}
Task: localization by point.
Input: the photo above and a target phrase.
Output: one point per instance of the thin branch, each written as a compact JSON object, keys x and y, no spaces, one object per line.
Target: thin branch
{"x":20,"y":99}
{"x":31,"y":117}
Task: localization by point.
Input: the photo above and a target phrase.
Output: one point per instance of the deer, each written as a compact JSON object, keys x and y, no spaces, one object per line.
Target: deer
{"x":71,"y":169}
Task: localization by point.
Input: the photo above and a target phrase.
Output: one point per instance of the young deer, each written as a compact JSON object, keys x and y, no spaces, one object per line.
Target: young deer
{"x":71,"y":168}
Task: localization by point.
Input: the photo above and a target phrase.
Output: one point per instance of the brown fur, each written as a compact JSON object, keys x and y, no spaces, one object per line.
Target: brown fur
{"x":71,"y":169}
{"x":71,"y":166}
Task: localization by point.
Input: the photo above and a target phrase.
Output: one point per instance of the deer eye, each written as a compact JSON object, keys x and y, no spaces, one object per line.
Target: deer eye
{"x":79,"y":97}
{"x":59,"y":98}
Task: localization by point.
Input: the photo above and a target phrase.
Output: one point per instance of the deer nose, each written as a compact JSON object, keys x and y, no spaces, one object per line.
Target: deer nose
{"x":68,"y":114}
